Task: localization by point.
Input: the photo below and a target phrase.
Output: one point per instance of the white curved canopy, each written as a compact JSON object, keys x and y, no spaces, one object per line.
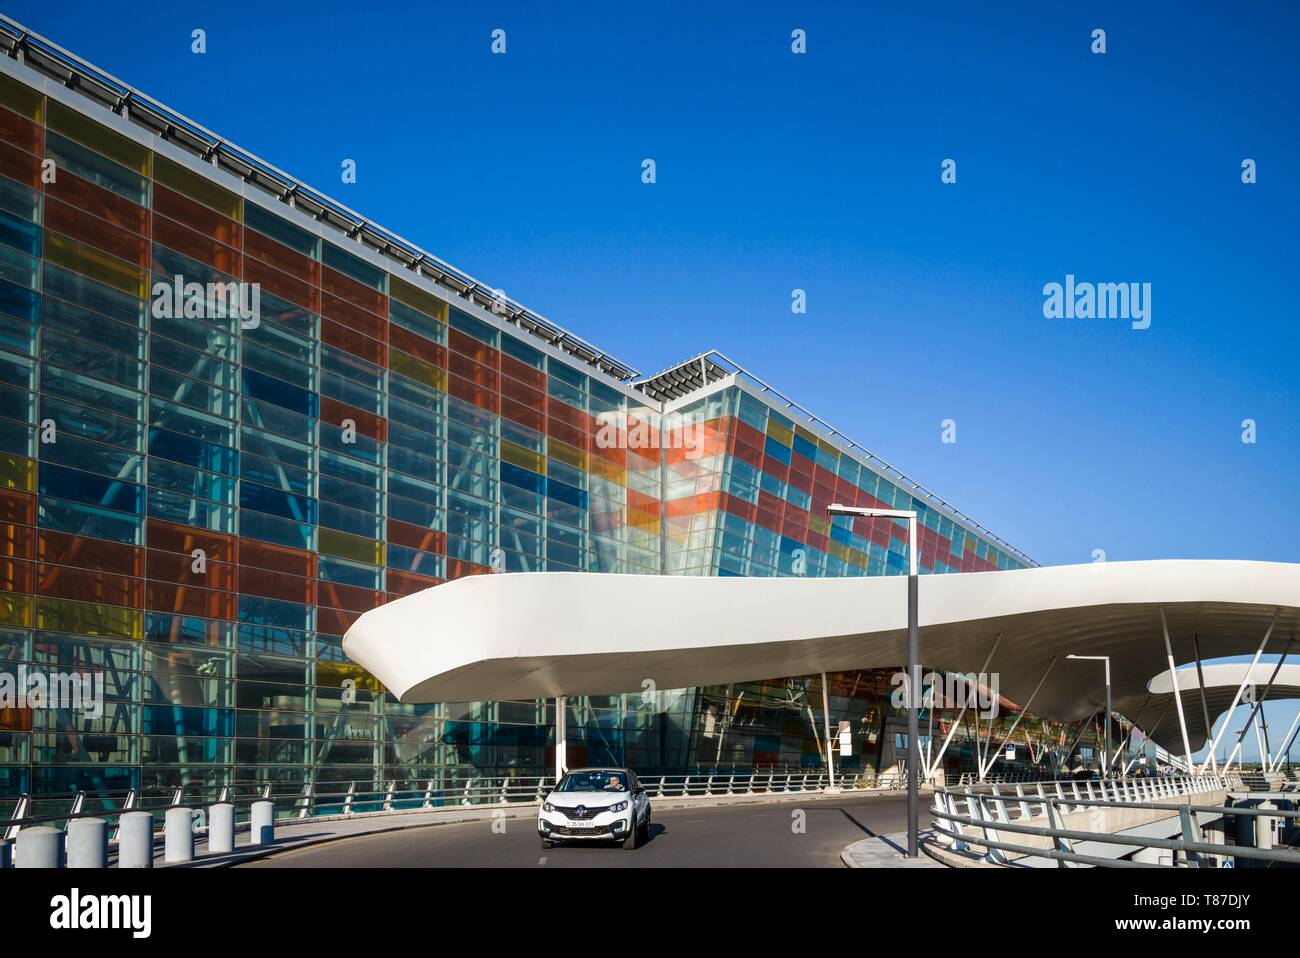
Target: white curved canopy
{"x":1159,"y":716}
{"x":530,"y":635}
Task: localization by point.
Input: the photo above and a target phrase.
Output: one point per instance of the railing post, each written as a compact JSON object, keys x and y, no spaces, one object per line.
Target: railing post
{"x":304,"y":803}
{"x":1024,"y":806}
{"x":261,"y":827}
{"x":135,"y":840}
{"x":87,"y":843}
{"x":39,"y":847}
{"x":1190,"y":834}
{"x":127,"y":805}
{"x":20,"y":812}
{"x":388,"y":795}
{"x":347,"y":799}
{"x":1059,"y":843}
{"x":221,"y":828}
{"x":178,"y":834}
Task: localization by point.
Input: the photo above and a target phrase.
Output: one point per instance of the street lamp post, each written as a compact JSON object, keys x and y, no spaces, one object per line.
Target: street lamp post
{"x":1105,"y":768}
{"x":913,"y":665}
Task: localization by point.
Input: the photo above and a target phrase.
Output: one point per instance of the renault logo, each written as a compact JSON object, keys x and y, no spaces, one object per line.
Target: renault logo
{"x":581,"y":810}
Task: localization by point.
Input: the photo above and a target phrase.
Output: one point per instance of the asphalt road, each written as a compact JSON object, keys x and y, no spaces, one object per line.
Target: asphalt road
{"x":758,"y":835}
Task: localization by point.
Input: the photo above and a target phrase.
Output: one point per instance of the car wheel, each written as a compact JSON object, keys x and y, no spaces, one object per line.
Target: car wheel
{"x":546,"y":842}
{"x":633,"y":840}
{"x":645,"y":826}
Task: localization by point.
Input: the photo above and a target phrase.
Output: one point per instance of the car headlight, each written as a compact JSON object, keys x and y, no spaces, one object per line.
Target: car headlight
{"x":620,"y":807}
{"x":548,"y":807}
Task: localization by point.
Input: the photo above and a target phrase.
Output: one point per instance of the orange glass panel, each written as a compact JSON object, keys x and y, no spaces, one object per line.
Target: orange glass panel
{"x":404,"y":583}
{"x":195,"y":245}
{"x":83,"y":585}
{"x":277,"y":585}
{"x":476,"y":373}
{"x":264,"y":555}
{"x":523,"y":372}
{"x":195,"y":216}
{"x":190,"y":600}
{"x":349,"y":597}
{"x":86,"y":553}
{"x":179,"y":569}
{"x":418,"y":346}
{"x":334,"y":621}
{"x":16,"y":575}
{"x":471,"y":347}
{"x":334,"y":412}
{"x":100,"y":202}
{"x":358,"y":294}
{"x":171,"y":537}
{"x":415,"y":537}
{"x":282,"y":257}
{"x":281,"y":284}
{"x":20,"y":165}
{"x":336,"y":334}
{"x":101,"y":234}
{"x":523,"y":414}
{"x":19,"y":507}
{"x":469,"y":392}
{"x":21,"y":132}
{"x":353,"y":317}
{"x":17,"y":541}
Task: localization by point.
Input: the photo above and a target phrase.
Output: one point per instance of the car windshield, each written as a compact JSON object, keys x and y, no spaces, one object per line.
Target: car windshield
{"x":599,"y":781}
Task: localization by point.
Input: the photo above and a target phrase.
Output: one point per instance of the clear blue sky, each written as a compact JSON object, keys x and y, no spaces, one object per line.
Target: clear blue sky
{"x":822,"y":172}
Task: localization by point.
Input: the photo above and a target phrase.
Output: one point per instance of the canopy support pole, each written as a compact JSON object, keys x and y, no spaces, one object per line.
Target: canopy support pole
{"x":1178,"y":697}
{"x":1241,"y":687}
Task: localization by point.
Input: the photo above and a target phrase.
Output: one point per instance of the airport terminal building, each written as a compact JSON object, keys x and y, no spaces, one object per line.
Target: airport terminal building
{"x":197,"y":499}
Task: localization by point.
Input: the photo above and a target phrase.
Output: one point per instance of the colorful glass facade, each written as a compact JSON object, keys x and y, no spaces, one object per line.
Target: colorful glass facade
{"x":198,"y":507}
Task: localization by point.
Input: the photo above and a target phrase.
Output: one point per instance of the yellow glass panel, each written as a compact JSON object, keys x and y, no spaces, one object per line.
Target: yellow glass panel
{"x":331,"y":675}
{"x":89,"y":261}
{"x":89,"y":618}
{"x":412,"y":368}
{"x":563,"y":452}
{"x":605,"y":469}
{"x":21,"y":98}
{"x":778,"y":432}
{"x":331,"y":542}
{"x":417,"y":298}
{"x":839,"y":550}
{"x":805,"y":435}
{"x":198,"y":188}
{"x":857,"y":557}
{"x":819,"y":524}
{"x":101,"y":139}
{"x":825,"y":446}
{"x":17,"y":472}
{"x":16,"y":610}
{"x":523,"y":458}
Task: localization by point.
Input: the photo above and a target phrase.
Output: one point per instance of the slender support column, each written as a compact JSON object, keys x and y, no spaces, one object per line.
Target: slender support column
{"x":1241,"y":687}
{"x":971,"y":692}
{"x":1259,"y":704}
{"x":1106,"y":766}
{"x":826,"y":717}
{"x":914,"y":682}
{"x":1178,"y":698}
{"x":561,"y":735}
{"x":1205,"y":708}
{"x":1024,"y":710}
{"x":1286,"y":744}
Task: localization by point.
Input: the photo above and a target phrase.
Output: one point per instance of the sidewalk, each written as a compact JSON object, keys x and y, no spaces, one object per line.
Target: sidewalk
{"x":888,"y":851}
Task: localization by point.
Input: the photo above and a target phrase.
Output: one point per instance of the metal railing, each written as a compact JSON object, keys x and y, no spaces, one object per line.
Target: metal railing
{"x":970,"y":817}
{"x":353,"y":798}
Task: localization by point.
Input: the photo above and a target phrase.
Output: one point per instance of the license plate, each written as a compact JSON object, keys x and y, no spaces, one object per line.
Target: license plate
{"x":582,"y":824}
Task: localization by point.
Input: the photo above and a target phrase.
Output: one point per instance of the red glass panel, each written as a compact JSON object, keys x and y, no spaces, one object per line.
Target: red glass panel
{"x":358,"y":294}
{"x":469,"y":392}
{"x":264,"y":555}
{"x":16,"y":575}
{"x":478,"y":351}
{"x":195,"y":245}
{"x":418,"y":346}
{"x":177,"y":538}
{"x":475,"y":372}
{"x":195,"y":216}
{"x":85,"y":553}
{"x":353,"y":316}
{"x":179,"y":569}
{"x":368,"y":424}
{"x":277,"y":585}
{"x":281,"y":284}
{"x":523,"y":372}
{"x":338,"y":335}
{"x":23,"y":133}
{"x":100,"y":202}
{"x":82,"y":585}
{"x":101,"y":234}
{"x":20,"y":165}
{"x":523,"y":414}
{"x":190,"y":600}
{"x":415,"y":537}
{"x":281,"y":257}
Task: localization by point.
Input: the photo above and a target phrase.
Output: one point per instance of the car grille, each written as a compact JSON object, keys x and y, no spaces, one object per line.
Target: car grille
{"x":598,"y":830}
{"x":586,"y":813}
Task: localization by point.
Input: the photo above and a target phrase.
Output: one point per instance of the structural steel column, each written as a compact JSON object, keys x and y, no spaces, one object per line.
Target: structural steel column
{"x":1241,"y":687}
{"x":1205,"y":709}
{"x":826,"y":718}
{"x":561,"y":736}
{"x":1178,"y":698}
{"x":914,"y":689}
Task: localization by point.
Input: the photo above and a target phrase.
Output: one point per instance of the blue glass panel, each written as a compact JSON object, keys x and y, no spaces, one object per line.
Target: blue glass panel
{"x":78,"y":486}
{"x":276,"y":502}
{"x":522,"y":478}
{"x":205,"y":455}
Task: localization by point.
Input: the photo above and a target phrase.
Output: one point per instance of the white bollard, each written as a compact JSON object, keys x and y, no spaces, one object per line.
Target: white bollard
{"x":39,"y":847}
{"x":262,"y":827}
{"x":178,"y":835}
{"x":135,"y":840}
{"x":87,"y":843}
{"x":221,"y":828}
